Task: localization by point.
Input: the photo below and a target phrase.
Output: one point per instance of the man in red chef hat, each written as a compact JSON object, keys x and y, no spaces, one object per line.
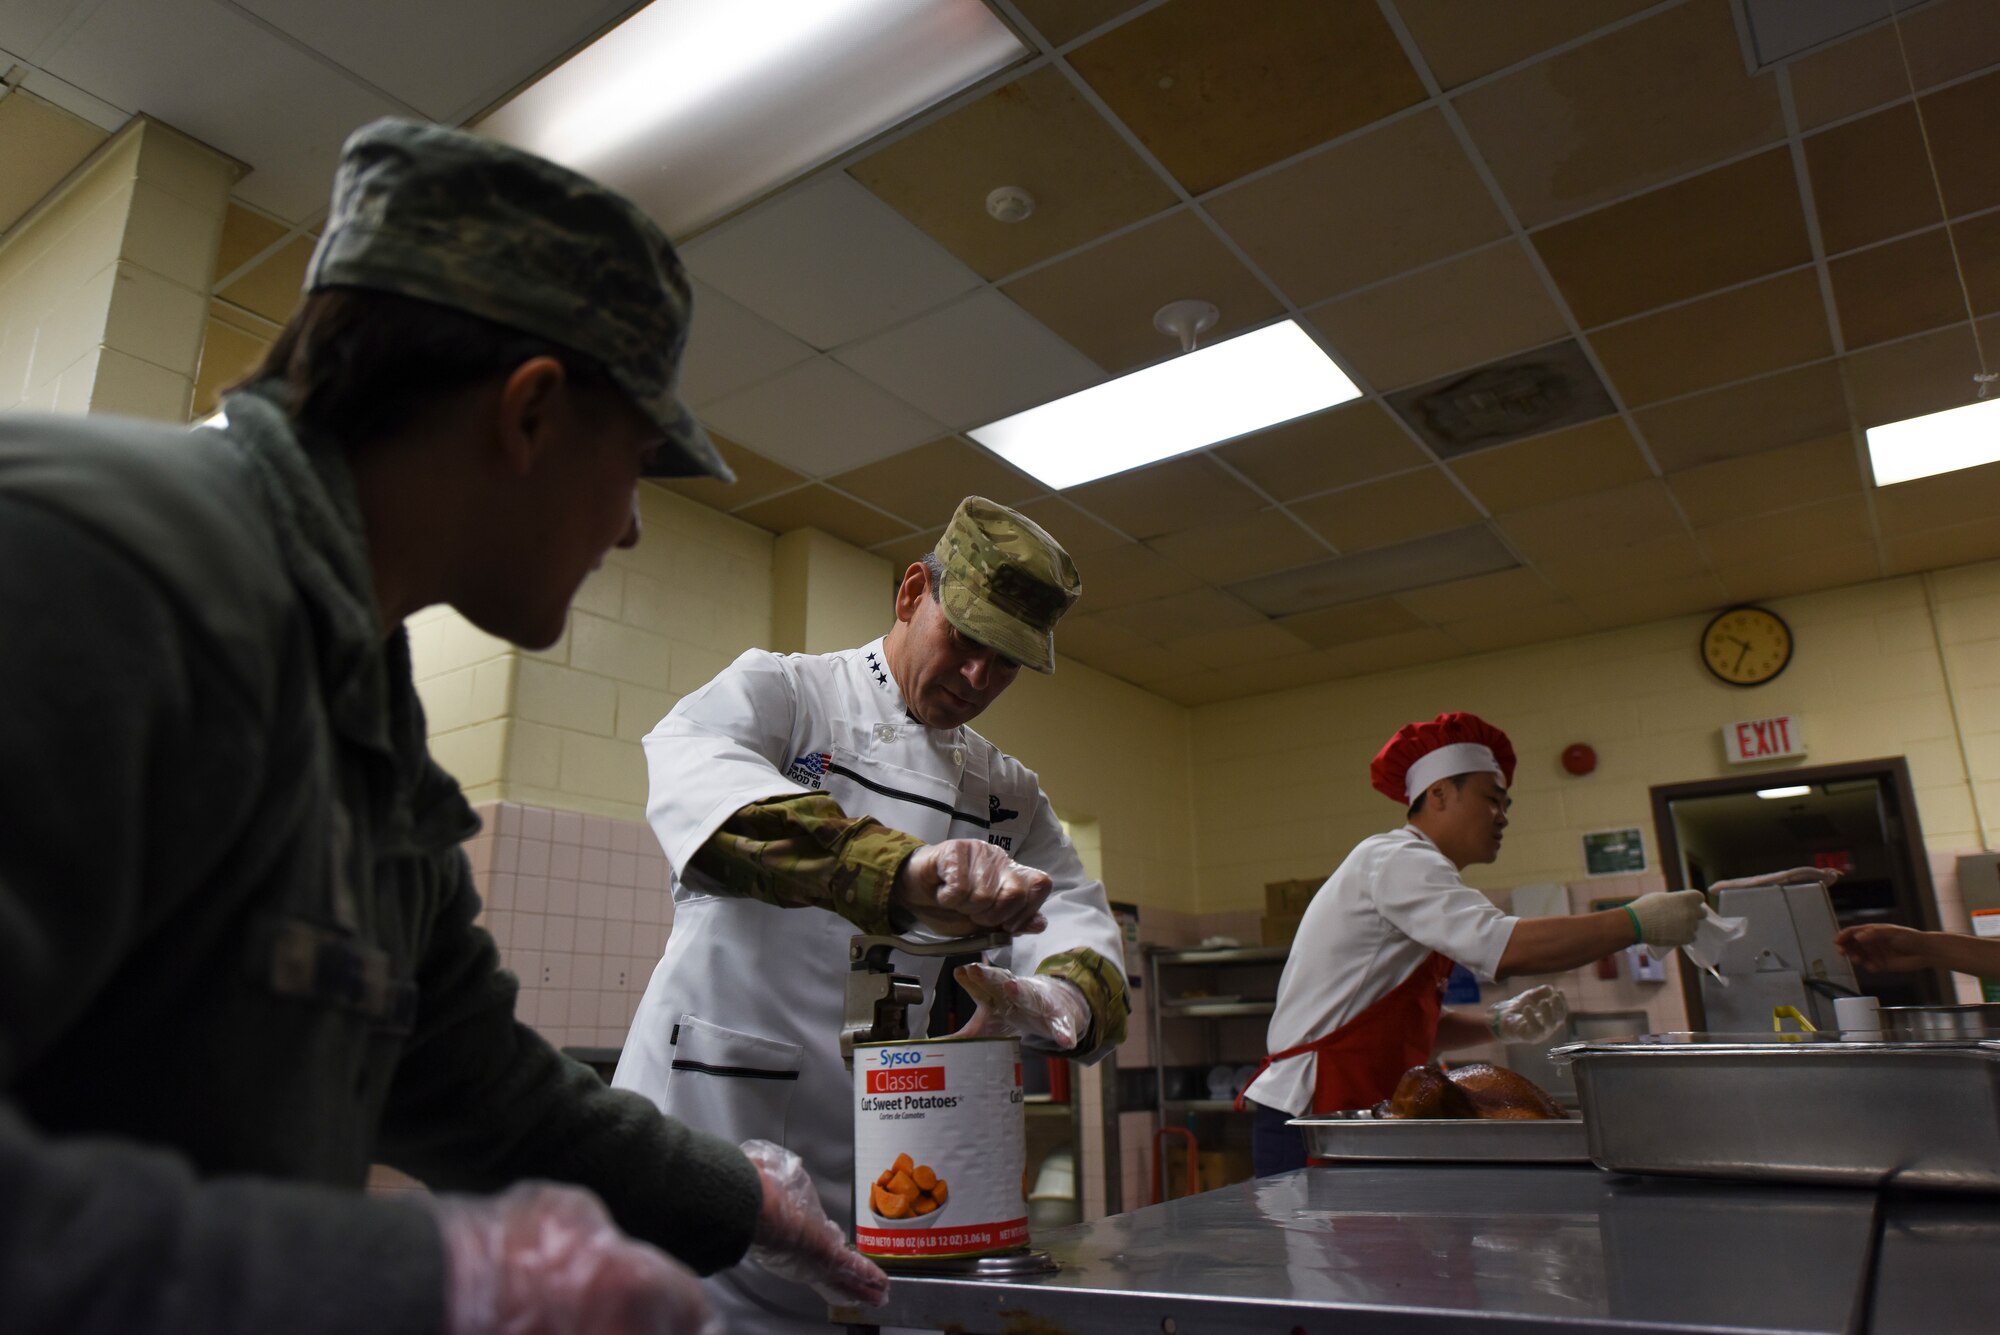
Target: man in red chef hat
{"x":1359,"y":1000}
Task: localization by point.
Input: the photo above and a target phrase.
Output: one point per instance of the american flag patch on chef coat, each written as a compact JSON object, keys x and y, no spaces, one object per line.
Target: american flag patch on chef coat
{"x":810,"y":769}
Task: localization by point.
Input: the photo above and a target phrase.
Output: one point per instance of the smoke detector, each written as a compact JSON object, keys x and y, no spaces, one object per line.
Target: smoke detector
{"x":1186,"y":320}
{"x":1009,"y":204}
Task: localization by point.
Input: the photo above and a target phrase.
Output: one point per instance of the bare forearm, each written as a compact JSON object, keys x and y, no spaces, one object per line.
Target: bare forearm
{"x":1965,"y":954}
{"x":1462,"y":1029}
{"x":1552,"y":945}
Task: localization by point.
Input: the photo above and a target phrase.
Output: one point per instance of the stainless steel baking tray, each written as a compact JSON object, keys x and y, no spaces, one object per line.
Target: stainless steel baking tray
{"x":1794,"y":1108}
{"x":1363,"y":1135}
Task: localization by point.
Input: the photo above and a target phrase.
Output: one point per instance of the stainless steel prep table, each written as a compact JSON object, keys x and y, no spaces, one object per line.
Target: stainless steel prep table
{"x":1434,"y":1248}
{"x":1938,"y":1266}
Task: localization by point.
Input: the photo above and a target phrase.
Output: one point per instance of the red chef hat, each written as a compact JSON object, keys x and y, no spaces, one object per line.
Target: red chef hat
{"x":1451,"y":744}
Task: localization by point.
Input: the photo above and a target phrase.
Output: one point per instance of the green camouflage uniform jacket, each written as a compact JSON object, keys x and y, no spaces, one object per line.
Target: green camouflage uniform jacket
{"x":237,"y":953}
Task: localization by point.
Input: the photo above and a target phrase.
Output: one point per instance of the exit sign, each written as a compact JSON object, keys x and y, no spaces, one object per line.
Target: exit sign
{"x":1763,"y":739}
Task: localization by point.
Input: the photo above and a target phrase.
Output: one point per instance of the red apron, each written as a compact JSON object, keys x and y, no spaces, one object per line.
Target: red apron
{"x":1359,"y":1063}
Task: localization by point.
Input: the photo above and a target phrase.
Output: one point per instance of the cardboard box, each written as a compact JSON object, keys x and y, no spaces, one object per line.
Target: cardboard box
{"x":1280,"y":928}
{"x":1289,"y":897}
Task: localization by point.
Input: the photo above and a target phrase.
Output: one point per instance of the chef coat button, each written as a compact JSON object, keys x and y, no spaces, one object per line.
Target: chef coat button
{"x":848,"y":894}
{"x":958,"y":756}
{"x":884,"y":733}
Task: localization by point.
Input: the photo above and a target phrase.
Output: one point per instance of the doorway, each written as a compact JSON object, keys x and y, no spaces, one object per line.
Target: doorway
{"x":1859,"y":818}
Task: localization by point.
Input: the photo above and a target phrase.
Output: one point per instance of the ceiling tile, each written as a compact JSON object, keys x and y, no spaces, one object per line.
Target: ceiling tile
{"x":828,"y":262}
{"x":1593,"y":571}
{"x":1346,"y":445}
{"x":926,"y":484}
{"x":1102,"y":299}
{"x":827,"y":511}
{"x":975,"y":361}
{"x":1945,"y":41}
{"x":1654,"y":601}
{"x":245,"y":233}
{"x":819,"y":417}
{"x":1396,"y":509}
{"x":1396,"y":197}
{"x":1079,"y":533}
{"x":1926,"y":374}
{"x":281,"y":109}
{"x":1410,"y":649}
{"x":1740,"y":544}
{"x":1910,"y":285}
{"x":1522,"y":395}
{"x":904,"y":552}
{"x":1216,"y":89}
{"x":1276,"y":674}
{"x":1179,"y":615}
{"x":447,"y":58}
{"x":1801,"y":571}
{"x":756,"y":478}
{"x":1940,"y":548}
{"x":729,"y":348}
{"x":1119,"y":576}
{"x":1730,"y":336}
{"x":1714,"y":230}
{"x":1941,"y":501}
{"x":40,"y":143}
{"x":1062,"y":20}
{"x":1333,"y":626}
{"x":1780,"y":479}
{"x":1742,"y":419}
{"x":1090,"y":639}
{"x":1601,"y":520}
{"x":1869,"y":179}
{"x":1236,"y":646}
{"x":273,"y":289}
{"x":1445,"y":318}
{"x":1037,"y":133}
{"x":1188,"y":492}
{"x":1465,"y":599}
{"x":1652,"y":101}
{"x":1530,"y":625}
{"x":1571,"y":462}
{"x":1237,"y":549}
{"x":1464,"y":39}
{"x":1438,"y":559}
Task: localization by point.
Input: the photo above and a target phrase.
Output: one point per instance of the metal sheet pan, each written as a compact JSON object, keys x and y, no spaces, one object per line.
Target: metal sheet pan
{"x":1812,"y":1109}
{"x":1363,"y":1135}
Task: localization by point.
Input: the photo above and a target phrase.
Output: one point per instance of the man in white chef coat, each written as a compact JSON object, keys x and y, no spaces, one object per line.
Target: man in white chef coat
{"x":801,"y":799}
{"x":1359,"y":1000}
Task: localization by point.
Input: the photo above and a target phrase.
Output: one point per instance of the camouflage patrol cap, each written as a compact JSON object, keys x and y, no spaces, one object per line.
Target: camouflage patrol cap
{"x":1006,"y":581}
{"x":470,"y":223}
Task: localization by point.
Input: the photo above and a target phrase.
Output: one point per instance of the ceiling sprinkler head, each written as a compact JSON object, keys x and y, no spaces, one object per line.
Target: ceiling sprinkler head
{"x":1186,"y":320}
{"x":1009,"y":204}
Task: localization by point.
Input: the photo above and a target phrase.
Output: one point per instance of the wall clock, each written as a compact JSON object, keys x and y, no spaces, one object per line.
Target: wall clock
{"x":1746,"y":646}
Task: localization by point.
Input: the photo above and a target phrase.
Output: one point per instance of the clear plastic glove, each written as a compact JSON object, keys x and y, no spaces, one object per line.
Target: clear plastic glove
{"x":1536,"y":1014}
{"x":1050,"y":1009}
{"x":961,"y":886}
{"x":1667,"y":918}
{"x":796,"y":1241}
{"x":542,"y":1259}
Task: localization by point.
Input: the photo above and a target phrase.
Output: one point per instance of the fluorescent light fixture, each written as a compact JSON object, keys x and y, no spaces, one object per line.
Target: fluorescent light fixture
{"x":1935,"y":443}
{"x":1217,"y":393}
{"x":1800,"y":791}
{"x":697,"y":107}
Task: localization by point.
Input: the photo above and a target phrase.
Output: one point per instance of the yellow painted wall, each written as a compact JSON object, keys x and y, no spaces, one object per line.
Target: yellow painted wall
{"x":1281,"y":787}
{"x":104,"y":285}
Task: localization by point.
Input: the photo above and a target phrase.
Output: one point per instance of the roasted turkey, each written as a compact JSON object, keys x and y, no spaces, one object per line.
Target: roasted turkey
{"x":1477,"y":1089}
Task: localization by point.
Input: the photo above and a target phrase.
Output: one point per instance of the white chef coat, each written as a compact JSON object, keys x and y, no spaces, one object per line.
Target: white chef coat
{"x":739,"y":1029}
{"x":1393,"y":901}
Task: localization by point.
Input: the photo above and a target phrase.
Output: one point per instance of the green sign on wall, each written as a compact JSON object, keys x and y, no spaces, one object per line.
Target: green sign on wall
{"x":1614,"y":852}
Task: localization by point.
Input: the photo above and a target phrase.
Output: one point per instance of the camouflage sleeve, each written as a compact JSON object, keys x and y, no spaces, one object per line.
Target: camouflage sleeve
{"x":805,"y":852}
{"x":1103,"y":986}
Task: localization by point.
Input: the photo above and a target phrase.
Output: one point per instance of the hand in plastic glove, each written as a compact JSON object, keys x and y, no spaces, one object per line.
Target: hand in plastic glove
{"x":796,"y":1241}
{"x":1666,"y":918}
{"x":542,"y":1259}
{"x":1533,"y":1016}
{"x":962,"y":886}
{"x":1050,"y":1009}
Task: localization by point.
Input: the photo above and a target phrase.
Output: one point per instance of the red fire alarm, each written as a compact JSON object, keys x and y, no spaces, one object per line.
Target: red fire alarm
{"x":1579,"y":759}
